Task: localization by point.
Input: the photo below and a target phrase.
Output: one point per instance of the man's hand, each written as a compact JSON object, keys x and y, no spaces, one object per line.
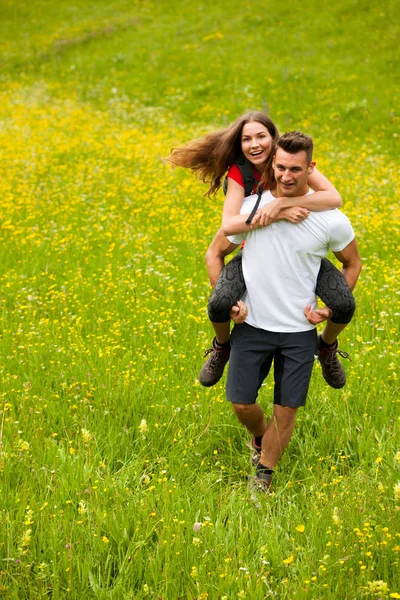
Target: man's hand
{"x":317,"y":316}
{"x":238,"y":312}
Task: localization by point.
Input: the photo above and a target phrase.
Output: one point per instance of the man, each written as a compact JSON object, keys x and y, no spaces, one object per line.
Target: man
{"x":280,"y":267}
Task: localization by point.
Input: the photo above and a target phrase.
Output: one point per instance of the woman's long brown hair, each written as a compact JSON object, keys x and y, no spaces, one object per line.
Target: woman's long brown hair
{"x":211,"y":156}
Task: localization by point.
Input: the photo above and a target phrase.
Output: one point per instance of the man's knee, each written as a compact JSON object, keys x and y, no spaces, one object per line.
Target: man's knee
{"x":242,"y":410}
{"x":284,"y":416}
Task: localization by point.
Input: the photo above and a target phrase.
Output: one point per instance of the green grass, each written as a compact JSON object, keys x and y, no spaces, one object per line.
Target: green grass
{"x":121,"y":476}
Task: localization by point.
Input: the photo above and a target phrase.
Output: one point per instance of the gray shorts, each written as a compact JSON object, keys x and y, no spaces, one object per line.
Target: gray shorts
{"x":252,"y":353}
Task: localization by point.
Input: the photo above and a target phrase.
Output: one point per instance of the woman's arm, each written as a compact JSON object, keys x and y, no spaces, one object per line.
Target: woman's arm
{"x":232,"y":221}
{"x":325,"y":197}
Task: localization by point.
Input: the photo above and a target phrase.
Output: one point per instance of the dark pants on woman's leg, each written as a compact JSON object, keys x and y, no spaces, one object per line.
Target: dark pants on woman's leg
{"x":331,"y":287}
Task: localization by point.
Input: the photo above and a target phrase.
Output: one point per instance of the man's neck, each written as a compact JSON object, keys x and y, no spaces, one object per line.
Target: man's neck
{"x":277,"y":192}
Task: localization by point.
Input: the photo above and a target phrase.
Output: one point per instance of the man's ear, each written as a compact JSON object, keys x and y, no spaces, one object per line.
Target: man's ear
{"x":311,"y":166}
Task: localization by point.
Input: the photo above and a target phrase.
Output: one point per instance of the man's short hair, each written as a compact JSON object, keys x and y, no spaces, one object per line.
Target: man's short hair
{"x":295,"y":141}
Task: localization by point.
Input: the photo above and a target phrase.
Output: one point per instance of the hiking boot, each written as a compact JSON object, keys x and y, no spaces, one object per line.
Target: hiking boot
{"x":262,"y":483}
{"x":213,"y":369}
{"x":332,"y":368}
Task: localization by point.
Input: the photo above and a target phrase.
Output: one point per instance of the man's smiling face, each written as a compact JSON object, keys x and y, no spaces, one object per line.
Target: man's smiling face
{"x":291,"y":172}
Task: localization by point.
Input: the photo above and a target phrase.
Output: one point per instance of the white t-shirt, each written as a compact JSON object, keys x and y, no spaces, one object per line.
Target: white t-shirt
{"x":281,"y":264}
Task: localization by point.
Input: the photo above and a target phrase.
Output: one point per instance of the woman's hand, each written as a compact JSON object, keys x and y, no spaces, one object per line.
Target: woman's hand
{"x":255,"y":222}
{"x":296,"y":214}
{"x":317,"y":316}
{"x":269,"y":212}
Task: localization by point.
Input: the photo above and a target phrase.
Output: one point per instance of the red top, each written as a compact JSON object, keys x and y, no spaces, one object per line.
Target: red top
{"x":235,"y":174}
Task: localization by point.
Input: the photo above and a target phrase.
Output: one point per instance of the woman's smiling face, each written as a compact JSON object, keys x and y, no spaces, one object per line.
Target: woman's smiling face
{"x":256,"y":144}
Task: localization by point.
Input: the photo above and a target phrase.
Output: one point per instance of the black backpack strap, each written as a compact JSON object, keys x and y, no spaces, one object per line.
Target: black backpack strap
{"x":247,"y":173}
{"x":255,"y":207}
{"x":249,"y":181}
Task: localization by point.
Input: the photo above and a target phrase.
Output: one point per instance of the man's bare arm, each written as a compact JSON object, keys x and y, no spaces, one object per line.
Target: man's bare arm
{"x":215,"y":255}
{"x":351,"y":261}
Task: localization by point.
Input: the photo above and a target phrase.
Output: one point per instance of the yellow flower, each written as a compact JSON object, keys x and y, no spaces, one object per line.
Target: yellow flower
{"x":196,"y":541}
{"x":397,"y":491}
{"x":105,"y":539}
{"x":288,"y":560}
{"x":300,"y":528}
{"x":378,"y":586}
{"x":214,"y":36}
{"x":194,"y":573}
{"x":335,"y":517}
{"x":26,"y":538}
{"x":379,"y":459}
{"x":143,"y":427}
{"x":86,"y":436}
{"x":23,"y":446}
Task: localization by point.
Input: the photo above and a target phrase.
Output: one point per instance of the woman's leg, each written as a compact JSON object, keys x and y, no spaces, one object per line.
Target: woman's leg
{"x":229,"y":288}
{"x":332,"y":288}
{"x":222,"y":332}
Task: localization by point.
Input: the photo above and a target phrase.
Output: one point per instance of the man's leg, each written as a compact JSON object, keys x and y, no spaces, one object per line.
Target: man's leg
{"x":251,"y":359}
{"x":293,"y":363}
{"x":252,"y":417}
{"x":277,"y":435}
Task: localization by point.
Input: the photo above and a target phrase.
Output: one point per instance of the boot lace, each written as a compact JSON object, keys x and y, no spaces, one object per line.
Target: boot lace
{"x":332,"y":361}
{"x":215,"y":359}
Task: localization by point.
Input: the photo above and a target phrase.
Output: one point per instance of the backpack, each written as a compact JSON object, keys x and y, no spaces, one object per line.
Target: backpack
{"x":246,"y":171}
{"x":249,"y":181}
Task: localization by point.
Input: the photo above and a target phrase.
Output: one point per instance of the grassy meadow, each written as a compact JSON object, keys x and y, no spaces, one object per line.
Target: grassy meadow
{"x":121,"y":477}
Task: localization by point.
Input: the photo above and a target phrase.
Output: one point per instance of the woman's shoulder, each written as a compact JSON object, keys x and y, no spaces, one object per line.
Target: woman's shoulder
{"x":235,"y":174}
{"x":246,"y":175}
